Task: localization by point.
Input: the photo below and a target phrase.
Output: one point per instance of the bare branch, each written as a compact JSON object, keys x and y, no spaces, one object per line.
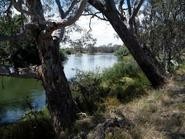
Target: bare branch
{"x":129,"y":7}
{"x":136,"y":10}
{"x":121,"y":6}
{"x":9,"y":7}
{"x":61,"y":11}
{"x":95,"y":15}
{"x":18,"y":6}
{"x":74,"y":2}
{"x":90,"y":29}
{"x":70,"y":20}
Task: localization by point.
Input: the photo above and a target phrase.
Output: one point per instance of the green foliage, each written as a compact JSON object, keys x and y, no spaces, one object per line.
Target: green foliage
{"x":87,"y":91}
{"x":126,"y":67}
{"x":17,"y":53}
{"x":124,"y":81}
{"x":162,"y":32}
{"x":121,"y":52}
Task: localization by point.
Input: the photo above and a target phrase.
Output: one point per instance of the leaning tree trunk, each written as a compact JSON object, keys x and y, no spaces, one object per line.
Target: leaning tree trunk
{"x":147,"y":63}
{"x":59,"y":99}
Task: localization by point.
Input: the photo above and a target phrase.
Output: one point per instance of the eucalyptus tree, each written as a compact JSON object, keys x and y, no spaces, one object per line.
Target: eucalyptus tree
{"x":122,"y":15}
{"x":41,"y":30}
{"x":162,"y":30}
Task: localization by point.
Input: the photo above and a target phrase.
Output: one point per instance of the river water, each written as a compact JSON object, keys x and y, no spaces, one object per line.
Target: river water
{"x":18,"y":95}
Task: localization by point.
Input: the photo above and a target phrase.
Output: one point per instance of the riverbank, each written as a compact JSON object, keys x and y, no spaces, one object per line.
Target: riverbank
{"x":161,"y":114}
{"x":18,"y":94}
{"x":116,"y":104}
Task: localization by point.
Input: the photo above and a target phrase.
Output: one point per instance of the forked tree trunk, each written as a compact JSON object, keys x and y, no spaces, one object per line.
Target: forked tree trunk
{"x":148,"y":64}
{"x":59,"y":99}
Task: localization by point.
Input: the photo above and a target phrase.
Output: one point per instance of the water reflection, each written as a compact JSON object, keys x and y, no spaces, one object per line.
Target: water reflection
{"x":87,"y":62}
{"x":16,"y":94}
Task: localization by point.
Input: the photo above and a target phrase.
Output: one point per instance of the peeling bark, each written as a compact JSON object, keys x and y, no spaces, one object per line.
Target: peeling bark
{"x":59,"y":98}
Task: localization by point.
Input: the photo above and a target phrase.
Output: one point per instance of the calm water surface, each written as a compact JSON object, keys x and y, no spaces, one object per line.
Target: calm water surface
{"x":16,"y":95}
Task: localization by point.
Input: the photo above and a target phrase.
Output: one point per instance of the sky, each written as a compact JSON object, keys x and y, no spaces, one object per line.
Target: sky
{"x":101,"y":30}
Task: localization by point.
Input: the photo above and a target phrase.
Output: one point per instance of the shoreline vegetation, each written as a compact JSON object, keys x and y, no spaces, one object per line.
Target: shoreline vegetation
{"x":118,"y":103}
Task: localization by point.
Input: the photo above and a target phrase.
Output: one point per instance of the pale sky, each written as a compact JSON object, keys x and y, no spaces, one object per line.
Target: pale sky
{"x":101,"y":30}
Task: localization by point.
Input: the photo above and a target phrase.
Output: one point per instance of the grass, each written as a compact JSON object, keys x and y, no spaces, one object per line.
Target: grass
{"x":156,"y":115}
{"x":147,"y":113}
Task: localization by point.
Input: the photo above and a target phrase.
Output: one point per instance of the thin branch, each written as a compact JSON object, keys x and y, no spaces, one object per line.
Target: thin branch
{"x":121,"y":6}
{"x":9,"y":7}
{"x":74,"y":2}
{"x":95,"y":15}
{"x":90,"y":29}
{"x":136,"y":10}
{"x":129,"y":7}
{"x":70,"y":20}
{"x":61,"y":11}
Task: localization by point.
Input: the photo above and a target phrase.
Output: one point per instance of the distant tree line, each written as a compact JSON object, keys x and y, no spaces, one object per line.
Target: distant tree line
{"x":92,"y":49}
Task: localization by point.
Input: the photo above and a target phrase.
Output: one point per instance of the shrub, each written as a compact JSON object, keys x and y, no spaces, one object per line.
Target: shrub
{"x":125,"y":68}
{"x":87,"y":91}
{"x":121,"y":52}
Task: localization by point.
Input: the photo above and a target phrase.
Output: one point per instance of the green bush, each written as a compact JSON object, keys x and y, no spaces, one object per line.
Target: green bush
{"x":124,"y":81}
{"x":87,"y":91}
{"x":121,"y":52}
{"x":124,"y":68}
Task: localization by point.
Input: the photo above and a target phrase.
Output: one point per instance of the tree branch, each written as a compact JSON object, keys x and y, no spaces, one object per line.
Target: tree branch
{"x":34,"y":11}
{"x":70,"y":20}
{"x":136,"y":10}
{"x":129,"y":7}
{"x":61,"y":11}
{"x":121,"y":6}
{"x":18,"y":6}
{"x":74,"y":2}
{"x":95,"y":15}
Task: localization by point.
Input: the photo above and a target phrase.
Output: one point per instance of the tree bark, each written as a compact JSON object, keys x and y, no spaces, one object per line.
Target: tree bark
{"x":148,"y":64}
{"x":59,"y":98}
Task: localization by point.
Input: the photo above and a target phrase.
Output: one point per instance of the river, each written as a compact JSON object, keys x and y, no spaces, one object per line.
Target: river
{"x":18,"y":95}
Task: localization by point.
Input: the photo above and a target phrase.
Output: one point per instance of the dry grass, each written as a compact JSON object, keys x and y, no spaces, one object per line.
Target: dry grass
{"x":159,"y":115}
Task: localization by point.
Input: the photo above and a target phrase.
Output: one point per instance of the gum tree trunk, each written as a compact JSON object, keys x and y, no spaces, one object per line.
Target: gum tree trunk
{"x":148,"y":64}
{"x":59,"y":99}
